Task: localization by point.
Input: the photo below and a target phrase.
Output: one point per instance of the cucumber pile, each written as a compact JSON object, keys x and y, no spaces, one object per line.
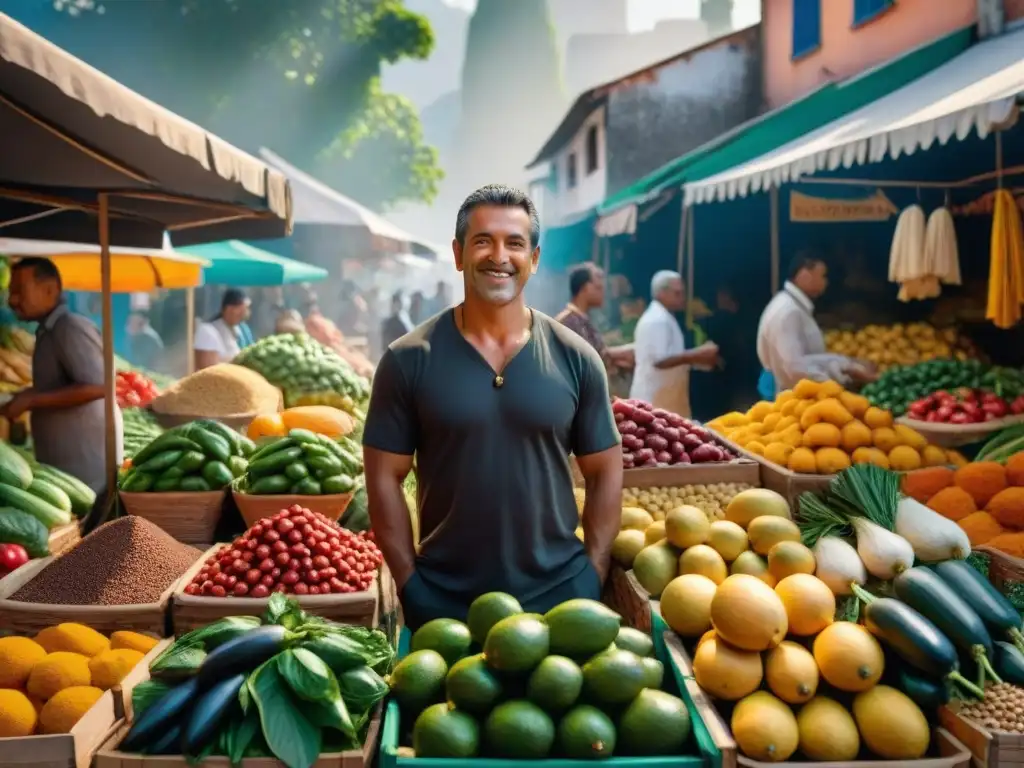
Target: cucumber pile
{"x":303,"y":463}
{"x":202,"y":455}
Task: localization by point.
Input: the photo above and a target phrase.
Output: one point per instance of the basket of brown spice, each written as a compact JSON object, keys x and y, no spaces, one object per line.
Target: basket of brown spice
{"x":119,"y":577}
{"x":228,"y":393}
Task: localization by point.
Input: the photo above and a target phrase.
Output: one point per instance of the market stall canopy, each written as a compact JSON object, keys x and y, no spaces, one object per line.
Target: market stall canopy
{"x":71,"y":132}
{"x":233,"y":262}
{"x":317,"y":203}
{"x":133,"y":270}
{"x":976,"y":91}
{"x":773,"y":129}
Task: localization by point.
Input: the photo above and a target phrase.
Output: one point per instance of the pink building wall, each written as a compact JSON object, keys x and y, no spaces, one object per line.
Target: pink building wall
{"x":846,"y":50}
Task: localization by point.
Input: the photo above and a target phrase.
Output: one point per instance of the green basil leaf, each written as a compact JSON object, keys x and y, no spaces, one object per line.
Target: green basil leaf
{"x":307,"y":674}
{"x":146,"y":694}
{"x":277,"y":606}
{"x":361,"y":688}
{"x":331,"y":713}
{"x":293,"y":739}
{"x":180,"y":661}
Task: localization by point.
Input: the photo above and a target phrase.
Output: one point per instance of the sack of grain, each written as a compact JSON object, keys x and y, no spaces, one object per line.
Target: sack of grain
{"x":218,"y":391}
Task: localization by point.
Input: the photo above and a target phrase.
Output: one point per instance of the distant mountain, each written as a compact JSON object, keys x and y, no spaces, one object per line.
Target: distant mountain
{"x":423,"y":82}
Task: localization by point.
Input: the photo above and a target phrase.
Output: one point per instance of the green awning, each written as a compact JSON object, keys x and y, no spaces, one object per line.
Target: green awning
{"x":233,"y":262}
{"x":773,"y":129}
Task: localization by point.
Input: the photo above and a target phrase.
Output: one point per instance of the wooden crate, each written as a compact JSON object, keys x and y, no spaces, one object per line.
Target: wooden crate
{"x":109,"y":757}
{"x":76,"y":749}
{"x":950,"y":752}
{"x":742,"y":470}
{"x":190,"y":612}
{"x":29,"y":618}
{"x":1003,"y":569}
{"x":624,"y":595}
{"x":989,"y":748}
{"x":779,"y":479}
{"x":64,"y":537}
{"x":190,"y":518}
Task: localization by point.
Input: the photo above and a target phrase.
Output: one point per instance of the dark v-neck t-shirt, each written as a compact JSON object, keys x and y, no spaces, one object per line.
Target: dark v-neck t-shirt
{"x":496,"y":503}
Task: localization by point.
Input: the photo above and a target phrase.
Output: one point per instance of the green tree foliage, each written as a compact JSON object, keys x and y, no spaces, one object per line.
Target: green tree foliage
{"x":298,"y":76}
{"x":512,"y":94}
{"x":717,"y":14}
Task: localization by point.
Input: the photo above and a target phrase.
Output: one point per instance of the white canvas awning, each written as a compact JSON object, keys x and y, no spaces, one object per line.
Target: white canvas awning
{"x":317,"y":203}
{"x":976,"y":91}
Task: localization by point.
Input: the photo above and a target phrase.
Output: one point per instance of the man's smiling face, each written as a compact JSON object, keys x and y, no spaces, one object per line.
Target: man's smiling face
{"x":496,"y":256}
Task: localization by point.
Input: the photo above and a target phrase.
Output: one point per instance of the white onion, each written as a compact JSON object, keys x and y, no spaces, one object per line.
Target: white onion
{"x":933,"y":537}
{"x":885,"y":554}
{"x":838,"y":565}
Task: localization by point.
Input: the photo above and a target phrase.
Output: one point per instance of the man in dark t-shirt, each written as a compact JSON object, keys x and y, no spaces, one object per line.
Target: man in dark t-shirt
{"x":491,"y":397}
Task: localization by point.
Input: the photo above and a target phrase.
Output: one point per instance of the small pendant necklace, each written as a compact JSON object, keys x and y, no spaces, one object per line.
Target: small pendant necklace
{"x":499,"y":378}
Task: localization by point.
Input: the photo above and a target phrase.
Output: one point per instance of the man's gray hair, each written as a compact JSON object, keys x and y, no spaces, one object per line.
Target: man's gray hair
{"x":663,"y":280}
{"x":503,"y":197}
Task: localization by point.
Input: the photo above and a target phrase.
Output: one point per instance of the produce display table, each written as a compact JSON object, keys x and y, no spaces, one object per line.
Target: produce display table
{"x":703,"y":747}
{"x":623,"y":593}
{"x":948,"y":751}
{"x":77,"y":748}
{"x":29,"y":618}
{"x":783,"y":481}
{"x":189,"y":612}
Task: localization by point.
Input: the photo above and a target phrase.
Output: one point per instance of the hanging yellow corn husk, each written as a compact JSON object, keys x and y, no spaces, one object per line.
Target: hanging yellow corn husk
{"x":1006,"y":267}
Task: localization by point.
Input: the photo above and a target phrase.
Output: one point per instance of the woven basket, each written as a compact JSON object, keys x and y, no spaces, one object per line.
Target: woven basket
{"x":955,"y":435}
{"x":255,"y":507}
{"x":191,"y":518}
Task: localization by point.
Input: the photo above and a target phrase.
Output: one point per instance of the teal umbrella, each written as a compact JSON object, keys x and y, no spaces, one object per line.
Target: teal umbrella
{"x":233,"y":262}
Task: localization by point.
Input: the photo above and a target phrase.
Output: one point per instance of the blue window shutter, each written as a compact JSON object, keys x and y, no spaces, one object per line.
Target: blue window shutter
{"x":865,"y":10}
{"x":806,"y":26}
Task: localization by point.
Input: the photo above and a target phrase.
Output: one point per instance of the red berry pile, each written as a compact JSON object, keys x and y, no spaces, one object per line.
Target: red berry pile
{"x":297,"y":552}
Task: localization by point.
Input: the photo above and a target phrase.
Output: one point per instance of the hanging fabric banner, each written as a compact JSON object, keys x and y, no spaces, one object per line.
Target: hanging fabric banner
{"x":808,"y":208}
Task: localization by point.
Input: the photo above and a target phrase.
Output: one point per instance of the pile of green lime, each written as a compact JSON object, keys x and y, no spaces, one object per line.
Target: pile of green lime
{"x":573,"y":683}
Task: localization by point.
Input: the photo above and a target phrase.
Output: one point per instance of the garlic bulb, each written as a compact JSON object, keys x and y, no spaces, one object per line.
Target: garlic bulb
{"x":932,"y":536}
{"x":885,"y":554}
{"x":838,"y":565}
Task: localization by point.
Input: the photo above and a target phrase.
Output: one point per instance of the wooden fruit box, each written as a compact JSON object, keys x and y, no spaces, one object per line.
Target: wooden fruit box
{"x":624,"y":595}
{"x":776,"y":478}
{"x":742,"y":470}
{"x":76,"y":749}
{"x":29,"y":618}
{"x":948,"y":751}
{"x":64,"y":537}
{"x":190,"y":612}
{"x":109,"y":757}
{"x":991,"y":748}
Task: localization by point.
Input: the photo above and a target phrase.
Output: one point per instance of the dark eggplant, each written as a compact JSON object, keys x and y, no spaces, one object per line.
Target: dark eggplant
{"x":163,"y":715}
{"x":995,"y":610}
{"x":212,"y":709}
{"x":929,"y":595}
{"x":243,"y":654}
{"x":1009,"y":662}
{"x":927,"y":692}
{"x":168,"y":744}
{"x":915,"y":639}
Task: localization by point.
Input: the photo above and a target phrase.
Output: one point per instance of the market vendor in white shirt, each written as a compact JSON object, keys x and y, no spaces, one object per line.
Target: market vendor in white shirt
{"x":662,"y":373}
{"x":217,"y":340}
{"x":790,"y":344}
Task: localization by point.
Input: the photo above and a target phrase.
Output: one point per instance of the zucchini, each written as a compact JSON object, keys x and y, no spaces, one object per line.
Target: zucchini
{"x":17,"y":527}
{"x":928,"y":693}
{"x":914,"y":639}
{"x":233,"y":438}
{"x":193,"y":484}
{"x":925,"y":592}
{"x":213,"y":445}
{"x":1009,"y":662}
{"x":137,"y":481}
{"x":247,"y":446}
{"x":160,"y":717}
{"x":160,"y":462}
{"x":270,"y":486}
{"x":243,"y":654}
{"x":44,"y":512}
{"x":82,"y":496}
{"x":210,"y":712}
{"x":168,"y":441}
{"x":996,"y":611}
{"x":14,"y":470}
{"x":191,"y":461}
{"x":274,"y":463}
{"x":50,"y":493}
{"x":217,"y":474}
{"x":238,"y":466}
{"x":277,"y":444}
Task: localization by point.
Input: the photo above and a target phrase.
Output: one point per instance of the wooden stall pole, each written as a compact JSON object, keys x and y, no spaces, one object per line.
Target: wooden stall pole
{"x":774,"y":201}
{"x":190,"y":330}
{"x":690,"y":270}
{"x":110,"y":434}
